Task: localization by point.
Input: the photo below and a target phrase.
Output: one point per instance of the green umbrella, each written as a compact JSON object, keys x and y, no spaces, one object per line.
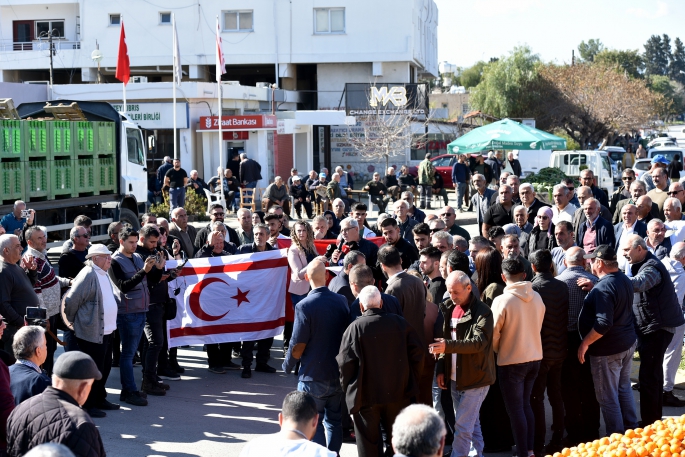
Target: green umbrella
{"x":505,"y":134}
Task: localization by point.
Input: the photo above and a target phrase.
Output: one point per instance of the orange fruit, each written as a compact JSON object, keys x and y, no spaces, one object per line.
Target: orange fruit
{"x":604,"y":440}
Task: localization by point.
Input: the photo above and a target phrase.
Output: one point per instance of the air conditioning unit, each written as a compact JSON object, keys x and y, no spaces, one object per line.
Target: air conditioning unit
{"x":138,"y":79}
{"x":263,"y":85}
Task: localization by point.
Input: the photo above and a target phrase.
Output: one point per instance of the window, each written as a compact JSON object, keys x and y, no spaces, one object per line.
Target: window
{"x":165,"y":18}
{"x":135,"y":147}
{"x":43,"y":27}
{"x":115,"y":19}
{"x":238,"y":21}
{"x":329,"y":20}
{"x":465,"y":108}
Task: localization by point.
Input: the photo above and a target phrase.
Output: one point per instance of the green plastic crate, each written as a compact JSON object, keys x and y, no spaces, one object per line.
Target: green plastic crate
{"x":10,"y":140}
{"x":60,"y":139}
{"x":37,"y":183}
{"x":36,"y":139}
{"x":84,"y":138}
{"x":62,"y":178}
{"x":107,"y":173}
{"x":85,"y":173}
{"x":104,"y":133}
{"x":11,"y":181}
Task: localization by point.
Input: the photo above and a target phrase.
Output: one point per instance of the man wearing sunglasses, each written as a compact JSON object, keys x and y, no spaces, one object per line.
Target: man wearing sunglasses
{"x":637,"y":189}
{"x":73,"y":261}
{"x":675,"y":190}
{"x":216,"y":213}
{"x":622,"y":192}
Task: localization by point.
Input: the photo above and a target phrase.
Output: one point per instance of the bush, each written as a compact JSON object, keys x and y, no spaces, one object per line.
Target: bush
{"x":195,"y":205}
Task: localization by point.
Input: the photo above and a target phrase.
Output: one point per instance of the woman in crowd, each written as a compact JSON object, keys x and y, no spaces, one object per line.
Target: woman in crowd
{"x":494,"y":420}
{"x":257,"y":218}
{"x":542,"y":235}
{"x":300,"y":253}
{"x":333,"y":223}
{"x":218,"y":354}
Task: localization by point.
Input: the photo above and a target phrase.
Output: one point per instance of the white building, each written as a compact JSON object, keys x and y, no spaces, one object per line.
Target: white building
{"x":308,"y":48}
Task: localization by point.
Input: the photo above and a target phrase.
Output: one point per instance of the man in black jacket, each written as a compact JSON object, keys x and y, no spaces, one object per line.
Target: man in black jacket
{"x":55,"y":415}
{"x":261,"y":235}
{"x":373,"y":397}
{"x":554,"y":294}
{"x":656,"y":311}
{"x":250,"y":171}
{"x":341,"y":283}
{"x":216,"y":213}
{"x":392,"y":236}
{"x":155,"y":324}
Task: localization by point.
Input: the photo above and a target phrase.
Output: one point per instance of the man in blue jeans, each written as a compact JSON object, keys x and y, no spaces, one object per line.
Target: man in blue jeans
{"x":607,"y":325}
{"x":176,"y":179}
{"x":461,"y":174}
{"x":320,"y":321}
{"x":467,"y":361}
{"x":128,"y":274}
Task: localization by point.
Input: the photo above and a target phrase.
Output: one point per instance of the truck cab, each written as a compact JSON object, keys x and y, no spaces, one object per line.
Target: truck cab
{"x":573,"y":162}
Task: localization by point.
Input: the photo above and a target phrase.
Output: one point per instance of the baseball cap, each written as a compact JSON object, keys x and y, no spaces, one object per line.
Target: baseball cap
{"x":97,"y":249}
{"x":76,"y":365}
{"x":323,"y":175}
{"x":660,"y":159}
{"x":603,"y":252}
{"x":297,"y":178}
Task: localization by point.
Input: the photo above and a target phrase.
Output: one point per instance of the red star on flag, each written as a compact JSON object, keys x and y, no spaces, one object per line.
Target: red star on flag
{"x":241,"y":296}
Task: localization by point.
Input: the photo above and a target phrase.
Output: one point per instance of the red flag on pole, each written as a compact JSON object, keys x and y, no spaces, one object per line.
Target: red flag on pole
{"x":220,"y":62}
{"x":123,"y":73}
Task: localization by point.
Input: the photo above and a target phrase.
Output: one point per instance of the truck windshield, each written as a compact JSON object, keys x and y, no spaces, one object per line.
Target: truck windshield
{"x":606,"y":165}
{"x":135,"y":147}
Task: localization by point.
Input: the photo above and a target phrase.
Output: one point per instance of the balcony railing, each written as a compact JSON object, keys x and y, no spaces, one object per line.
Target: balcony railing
{"x":39,"y":45}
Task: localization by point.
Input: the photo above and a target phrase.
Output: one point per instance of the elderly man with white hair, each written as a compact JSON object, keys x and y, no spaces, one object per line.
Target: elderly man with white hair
{"x":419,"y":431}
{"x":186,"y":233}
{"x":674,"y":265}
{"x":276,"y":193}
{"x":30,"y":349}
{"x":529,"y":201}
{"x":196,"y":183}
{"x":405,"y":223}
{"x":442,"y":240}
{"x":562,"y":210}
{"x":373,"y":397}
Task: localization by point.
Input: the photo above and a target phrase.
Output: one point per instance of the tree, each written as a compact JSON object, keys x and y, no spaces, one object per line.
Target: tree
{"x":378,"y":137}
{"x":506,"y":88}
{"x":657,"y":55}
{"x":629,"y":61}
{"x":471,"y":76}
{"x":672,"y":92}
{"x":589,"y":50}
{"x":676,"y":68}
{"x":590,"y":102}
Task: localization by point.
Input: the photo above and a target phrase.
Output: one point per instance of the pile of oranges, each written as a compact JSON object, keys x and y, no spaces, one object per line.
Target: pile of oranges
{"x":660,"y":439}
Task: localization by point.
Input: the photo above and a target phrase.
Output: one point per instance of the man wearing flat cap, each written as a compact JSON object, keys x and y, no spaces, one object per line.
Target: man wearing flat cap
{"x":55,"y":415}
{"x":607,"y":326}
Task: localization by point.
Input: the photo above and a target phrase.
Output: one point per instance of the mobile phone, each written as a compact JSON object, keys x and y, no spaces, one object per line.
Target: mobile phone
{"x":25,"y":213}
{"x":36,"y":313}
{"x":180,"y":265}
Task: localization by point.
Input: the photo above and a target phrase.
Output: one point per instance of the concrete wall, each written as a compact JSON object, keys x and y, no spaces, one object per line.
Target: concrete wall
{"x":24,"y":93}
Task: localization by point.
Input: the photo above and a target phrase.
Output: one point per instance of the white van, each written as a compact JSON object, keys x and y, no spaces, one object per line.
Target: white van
{"x":677,"y":132}
{"x":531,"y":161}
{"x":570,"y":162}
{"x":669,"y":153}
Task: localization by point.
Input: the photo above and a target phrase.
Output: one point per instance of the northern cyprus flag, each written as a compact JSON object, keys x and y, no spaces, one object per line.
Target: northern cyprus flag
{"x":228,"y":299}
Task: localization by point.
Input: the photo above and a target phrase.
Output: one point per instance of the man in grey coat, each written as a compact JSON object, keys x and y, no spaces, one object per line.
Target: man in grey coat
{"x":90,"y":310}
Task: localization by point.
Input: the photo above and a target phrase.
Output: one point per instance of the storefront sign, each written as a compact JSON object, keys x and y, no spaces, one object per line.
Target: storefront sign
{"x":156,"y":115}
{"x":386,"y":99}
{"x":253,"y":122}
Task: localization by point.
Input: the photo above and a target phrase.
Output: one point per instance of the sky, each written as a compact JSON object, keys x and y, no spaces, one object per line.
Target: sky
{"x":469,"y":31}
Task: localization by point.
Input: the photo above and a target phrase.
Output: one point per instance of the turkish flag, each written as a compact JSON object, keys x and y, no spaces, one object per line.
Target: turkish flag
{"x":123,"y":73}
{"x":232,"y":298}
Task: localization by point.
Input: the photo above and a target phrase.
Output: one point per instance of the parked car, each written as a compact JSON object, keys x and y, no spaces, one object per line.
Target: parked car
{"x":662,"y":142}
{"x":641,"y":166}
{"x":443,"y":164}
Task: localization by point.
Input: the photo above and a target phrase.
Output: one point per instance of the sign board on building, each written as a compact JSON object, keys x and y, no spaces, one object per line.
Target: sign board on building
{"x":252,"y":122}
{"x":386,"y":99}
{"x":155,"y":116}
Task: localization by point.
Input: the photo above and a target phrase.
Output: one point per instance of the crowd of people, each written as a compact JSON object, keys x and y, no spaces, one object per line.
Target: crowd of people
{"x":548,"y":299}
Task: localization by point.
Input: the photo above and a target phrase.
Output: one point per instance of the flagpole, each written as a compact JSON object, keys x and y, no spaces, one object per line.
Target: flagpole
{"x":218,"y":84}
{"x":173,"y":85}
{"x":123,"y":82}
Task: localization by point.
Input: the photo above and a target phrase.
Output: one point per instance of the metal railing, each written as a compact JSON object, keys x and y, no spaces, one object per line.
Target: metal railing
{"x":40,"y":45}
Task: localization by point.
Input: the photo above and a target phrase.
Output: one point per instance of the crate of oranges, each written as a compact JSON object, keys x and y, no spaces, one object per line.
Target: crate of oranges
{"x":660,"y":439}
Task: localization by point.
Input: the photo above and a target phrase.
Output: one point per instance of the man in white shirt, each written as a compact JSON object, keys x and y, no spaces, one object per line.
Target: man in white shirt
{"x":674,"y":265}
{"x":359,"y":214}
{"x":562,"y":209}
{"x":298,"y":421}
{"x":674,"y":220}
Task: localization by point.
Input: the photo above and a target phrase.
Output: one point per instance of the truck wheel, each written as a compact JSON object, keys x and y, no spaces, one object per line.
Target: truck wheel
{"x":128,"y":217}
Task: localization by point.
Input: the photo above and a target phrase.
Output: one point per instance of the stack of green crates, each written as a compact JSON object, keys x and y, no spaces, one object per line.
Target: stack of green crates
{"x":47,"y":160}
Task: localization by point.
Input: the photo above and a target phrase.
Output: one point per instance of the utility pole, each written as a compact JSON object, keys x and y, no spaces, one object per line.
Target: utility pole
{"x":573,"y":57}
{"x":49,"y":35}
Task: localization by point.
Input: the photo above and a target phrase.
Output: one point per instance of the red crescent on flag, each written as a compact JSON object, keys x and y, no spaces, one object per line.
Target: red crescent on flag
{"x":194,"y":300}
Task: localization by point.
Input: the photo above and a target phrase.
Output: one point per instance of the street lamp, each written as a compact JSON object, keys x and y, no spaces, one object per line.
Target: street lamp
{"x":96,"y":55}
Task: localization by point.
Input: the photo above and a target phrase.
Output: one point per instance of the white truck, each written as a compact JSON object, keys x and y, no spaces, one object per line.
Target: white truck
{"x":573,"y":162}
